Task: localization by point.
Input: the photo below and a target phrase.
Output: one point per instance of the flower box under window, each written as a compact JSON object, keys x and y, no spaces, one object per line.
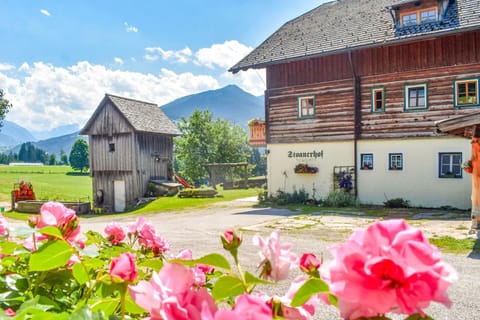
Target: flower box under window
{"x":305,"y":168}
{"x":258,"y":130}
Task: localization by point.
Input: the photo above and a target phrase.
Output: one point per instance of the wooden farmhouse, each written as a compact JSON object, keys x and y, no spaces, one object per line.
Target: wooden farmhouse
{"x":130,"y":143}
{"x":354,"y":89}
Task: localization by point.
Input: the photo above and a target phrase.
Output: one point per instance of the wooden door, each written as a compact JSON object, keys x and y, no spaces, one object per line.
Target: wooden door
{"x":119,"y":195}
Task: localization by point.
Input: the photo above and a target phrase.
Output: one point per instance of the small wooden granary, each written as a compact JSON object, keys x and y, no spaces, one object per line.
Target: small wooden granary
{"x":130,"y":143}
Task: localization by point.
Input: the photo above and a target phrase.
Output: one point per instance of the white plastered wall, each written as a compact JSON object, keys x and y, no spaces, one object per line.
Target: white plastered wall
{"x":280,"y":166}
{"x":418,"y":182}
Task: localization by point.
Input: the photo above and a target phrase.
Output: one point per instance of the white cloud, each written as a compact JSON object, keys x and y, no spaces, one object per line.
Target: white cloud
{"x":45,"y":12}
{"x":6,"y":67}
{"x":223,"y":55}
{"x":252,"y":81}
{"x":130,"y":28}
{"x":180,"y":56}
{"x":45,"y":96}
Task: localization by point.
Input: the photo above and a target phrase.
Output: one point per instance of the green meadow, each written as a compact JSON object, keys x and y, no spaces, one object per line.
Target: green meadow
{"x":49,"y":182}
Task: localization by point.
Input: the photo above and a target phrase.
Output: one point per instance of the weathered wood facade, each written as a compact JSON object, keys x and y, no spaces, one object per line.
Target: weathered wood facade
{"x":331,"y":80}
{"x":130,"y":143}
{"x":333,"y":60}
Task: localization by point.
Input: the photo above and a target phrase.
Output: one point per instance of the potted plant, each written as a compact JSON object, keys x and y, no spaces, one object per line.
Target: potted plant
{"x":467,"y":166}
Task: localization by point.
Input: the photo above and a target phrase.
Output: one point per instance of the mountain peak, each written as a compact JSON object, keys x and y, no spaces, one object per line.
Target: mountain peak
{"x":230,"y":103}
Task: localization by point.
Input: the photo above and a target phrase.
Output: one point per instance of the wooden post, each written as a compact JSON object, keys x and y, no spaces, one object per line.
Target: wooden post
{"x":475,"y":179}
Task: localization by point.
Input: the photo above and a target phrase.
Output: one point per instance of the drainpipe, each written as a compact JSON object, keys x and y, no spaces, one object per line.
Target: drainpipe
{"x":357,"y":109}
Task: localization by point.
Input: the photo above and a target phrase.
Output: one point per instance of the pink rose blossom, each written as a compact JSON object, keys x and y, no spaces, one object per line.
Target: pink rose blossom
{"x":389,"y":267}
{"x":10,"y":312}
{"x":170,"y":294}
{"x":277,"y":259}
{"x":124,"y":267}
{"x":148,"y":237}
{"x":199,"y":271}
{"x":231,"y":240}
{"x":134,"y":228}
{"x":184,"y":254}
{"x":114,"y":232}
{"x":3,"y":226}
{"x":247,"y":307}
{"x":57,"y":215}
{"x":309,"y":262}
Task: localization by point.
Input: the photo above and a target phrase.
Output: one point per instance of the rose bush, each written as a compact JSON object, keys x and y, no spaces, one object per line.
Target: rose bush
{"x":50,"y":270}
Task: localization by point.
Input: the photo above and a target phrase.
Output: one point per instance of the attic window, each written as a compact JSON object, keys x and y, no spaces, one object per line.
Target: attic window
{"x":111,"y":147}
{"x":419,"y":16}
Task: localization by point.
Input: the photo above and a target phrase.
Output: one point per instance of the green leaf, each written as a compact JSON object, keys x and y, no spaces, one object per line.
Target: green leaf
{"x":227,"y":286}
{"x":155,"y":264}
{"x":8,"y":247}
{"x":132,"y":307}
{"x":213,"y":259}
{"x":51,"y":231}
{"x":308,"y":289}
{"x":51,"y":255}
{"x":86,"y":314}
{"x":251,"y":279}
{"x":31,"y":306}
{"x":107,"y":305}
{"x":80,"y":274}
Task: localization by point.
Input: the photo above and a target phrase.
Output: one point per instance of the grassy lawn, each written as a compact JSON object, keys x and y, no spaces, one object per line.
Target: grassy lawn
{"x":451,"y":245}
{"x":49,"y":182}
{"x":175,"y":203}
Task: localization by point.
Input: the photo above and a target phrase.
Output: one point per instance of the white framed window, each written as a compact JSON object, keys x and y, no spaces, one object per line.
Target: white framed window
{"x":419,"y":16}
{"x":450,"y":165}
{"x":416,"y":96}
{"x":409,"y":19}
{"x":466,"y":93}
{"x":378,"y":99}
{"x":366,"y":161}
{"x":306,"y":107}
{"x":395,"y":161}
{"x":428,"y":15}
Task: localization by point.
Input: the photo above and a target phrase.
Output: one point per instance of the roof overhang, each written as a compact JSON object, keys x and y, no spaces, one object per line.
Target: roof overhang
{"x":375,"y":44}
{"x":466,"y":126}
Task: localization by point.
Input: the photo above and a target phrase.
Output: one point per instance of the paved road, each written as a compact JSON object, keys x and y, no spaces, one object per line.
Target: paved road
{"x":199,"y":230}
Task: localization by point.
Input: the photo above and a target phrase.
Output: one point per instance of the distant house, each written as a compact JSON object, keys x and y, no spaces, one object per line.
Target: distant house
{"x":354,"y":89}
{"x":130,"y":143}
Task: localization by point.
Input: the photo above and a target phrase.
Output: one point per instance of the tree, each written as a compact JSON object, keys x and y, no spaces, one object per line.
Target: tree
{"x":205,"y":140}
{"x":28,"y":153}
{"x":52,"y":159}
{"x":79,"y":155}
{"x":63,"y":157}
{"x":5,"y":105}
{"x":259,"y":161}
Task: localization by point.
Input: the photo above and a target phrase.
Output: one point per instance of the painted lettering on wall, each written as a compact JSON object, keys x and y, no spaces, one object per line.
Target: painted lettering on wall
{"x":311,"y":154}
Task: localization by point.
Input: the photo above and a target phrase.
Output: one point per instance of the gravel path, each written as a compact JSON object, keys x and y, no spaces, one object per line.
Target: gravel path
{"x":200,"y":229}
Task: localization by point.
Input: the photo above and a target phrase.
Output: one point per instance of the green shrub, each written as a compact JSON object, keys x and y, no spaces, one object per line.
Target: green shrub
{"x":397,"y":203}
{"x":283,"y":198}
{"x":340,"y":198}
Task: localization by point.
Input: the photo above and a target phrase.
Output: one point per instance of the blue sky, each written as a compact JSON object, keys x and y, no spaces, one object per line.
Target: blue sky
{"x":59,"y":58}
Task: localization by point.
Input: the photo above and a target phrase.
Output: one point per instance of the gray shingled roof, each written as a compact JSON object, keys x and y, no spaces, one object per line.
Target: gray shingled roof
{"x":345,"y":24}
{"x":144,"y":116}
